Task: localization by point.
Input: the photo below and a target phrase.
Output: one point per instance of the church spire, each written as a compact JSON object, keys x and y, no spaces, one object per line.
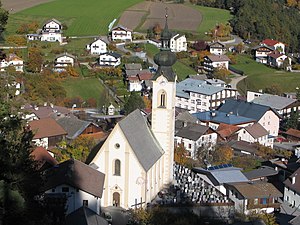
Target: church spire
{"x":166,"y":35}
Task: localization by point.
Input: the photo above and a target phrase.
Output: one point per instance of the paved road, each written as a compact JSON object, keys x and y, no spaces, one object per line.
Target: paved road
{"x":236,"y":80}
{"x":235,"y":41}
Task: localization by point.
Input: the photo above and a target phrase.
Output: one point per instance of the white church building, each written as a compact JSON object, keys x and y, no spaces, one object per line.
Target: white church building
{"x":137,"y":157}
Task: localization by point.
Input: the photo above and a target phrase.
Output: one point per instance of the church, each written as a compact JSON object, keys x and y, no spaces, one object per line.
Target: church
{"x":137,"y":157}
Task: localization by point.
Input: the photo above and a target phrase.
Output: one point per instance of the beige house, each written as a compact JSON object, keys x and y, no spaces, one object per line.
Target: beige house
{"x":178,"y":43}
{"x":212,"y":62}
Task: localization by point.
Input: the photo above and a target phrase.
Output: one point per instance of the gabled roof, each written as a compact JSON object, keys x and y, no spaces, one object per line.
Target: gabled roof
{"x":46,"y":111}
{"x":295,"y":221}
{"x":218,"y":58}
{"x":274,"y":101}
{"x":99,"y":39}
{"x":224,"y":175}
{"x":46,"y":127}
{"x":65,"y":54}
{"x":270,"y":42}
{"x":13,"y":57}
{"x":133,"y":66}
{"x":76,"y":174}
{"x":222,"y":117}
{"x":193,"y":131}
{"x":293,"y":132}
{"x":114,"y":54}
{"x":141,"y":139}
{"x":122,"y":28}
{"x":227,"y":130}
{"x":73,"y":125}
{"x":256,"y":130}
{"x":243,"y":146}
{"x":264,"y":171}
{"x":85,"y":216}
{"x":296,"y":186}
{"x":54,"y":20}
{"x":216,"y":44}
{"x":177,"y":36}
{"x":264,"y":46}
{"x":42,"y":157}
{"x":251,"y":190}
{"x":185,"y":116}
{"x":275,"y":55}
{"x":245,"y":109}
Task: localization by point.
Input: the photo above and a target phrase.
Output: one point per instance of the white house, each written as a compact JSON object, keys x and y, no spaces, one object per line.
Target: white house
{"x":12,"y":60}
{"x":97,"y":47}
{"x":217,"y":48}
{"x":212,"y":62}
{"x":194,"y":136}
{"x":112,"y":59}
{"x":276,"y":59}
{"x":292,"y":189}
{"x":178,"y":43}
{"x":261,"y":53}
{"x":121,"y":33}
{"x":62,"y":61}
{"x":198,"y":95}
{"x":52,"y":31}
{"x":276,"y":45}
{"x":78,"y":183}
{"x":255,"y":133}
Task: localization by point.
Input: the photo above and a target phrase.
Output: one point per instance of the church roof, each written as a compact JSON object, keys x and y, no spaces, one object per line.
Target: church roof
{"x":141,"y":139}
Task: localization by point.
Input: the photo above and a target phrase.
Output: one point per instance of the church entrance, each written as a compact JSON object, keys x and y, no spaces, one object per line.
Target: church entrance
{"x":116,"y":199}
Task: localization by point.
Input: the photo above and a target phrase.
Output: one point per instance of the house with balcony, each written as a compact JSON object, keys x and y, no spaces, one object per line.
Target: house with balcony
{"x":178,"y":43}
{"x":110,"y":59}
{"x":279,"y":60}
{"x":63,"y":61}
{"x":212,"y":62}
{"x":261,"y":53}
{"x":195,"y":136}
{"x":52,"y":31}
{"x":121,"y":33}
{"x":217,"y":48}
{"x":198,"y":95}
{"x":254,"y":197}
{"x":276,"y":45}
{"x":97,"y":47}
{"x":12,"y":60}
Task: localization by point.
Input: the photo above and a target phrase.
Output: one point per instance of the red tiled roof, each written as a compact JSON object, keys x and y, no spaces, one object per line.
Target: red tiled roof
{"x":275,"y":54}
{"x":46,"y":127}
{"x":293,"y":132}
{"x":226,"y":130}
{"x":42,"y":156}
{"x":145,"y":76}
{"x":270,"y":42}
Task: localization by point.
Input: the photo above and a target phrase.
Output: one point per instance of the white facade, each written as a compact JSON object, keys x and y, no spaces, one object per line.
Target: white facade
{"x":206,"y":140}
{"x":121,"y":33}
{"x":97,"y":47}
{"x":244,"y":135}
{"x":133,"y":182}
{"x":217,"y":48}
{"x":291,"y":196}
{"x":178,"y":43}
{"x":135,"y":85}
{"x":251,"y":95}
{"x":278,"y":61}
{"x":43,"y":142}
{"x":212,"y":62}
{"x":109,"y":59}
{"x":63,"y":61}
{"x":76,"y":198}
{"x":52,"y":31}
{"x":51,"y":37}
{"x":52,"y":26}
{"x":270,"y":121}
{"x":14,"y":61}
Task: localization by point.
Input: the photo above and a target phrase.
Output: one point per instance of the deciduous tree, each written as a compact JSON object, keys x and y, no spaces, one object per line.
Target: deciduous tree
{"x":133,"y":102}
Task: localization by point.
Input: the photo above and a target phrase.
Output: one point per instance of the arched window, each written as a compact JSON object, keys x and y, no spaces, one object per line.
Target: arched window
{"x":163,"y":99}
{"x":117,"y":168}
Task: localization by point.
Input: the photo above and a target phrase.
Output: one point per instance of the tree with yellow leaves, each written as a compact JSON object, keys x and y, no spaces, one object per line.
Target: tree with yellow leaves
{"x":222,"y":154}
{"x":180,"y":154}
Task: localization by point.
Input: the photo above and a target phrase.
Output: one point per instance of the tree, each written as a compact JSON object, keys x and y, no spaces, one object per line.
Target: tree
{"x":200,"y":45}
{"x":222,"y":154}
{"x":157,"y":30}
{"x":221,"y":73}
{"x":133,"y":102}
{"x":180,"y":154}
{"x":265,"y":152}
{"x":3,"y":18}
{"x":292,"y":121}
{"x":35,"y":60}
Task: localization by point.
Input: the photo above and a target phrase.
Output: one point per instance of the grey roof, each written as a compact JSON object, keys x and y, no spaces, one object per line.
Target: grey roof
{"x":192,"y":131}
{"x":263,"y":46}
{"x":274,"y":101}
{"x":73,"y":126}
{"x":221,"y":117}
{"x":224,"y":175}
{"x":65,"y":54}
{"x":243,"y":146}
{"x":256,"y":130}
{"x":114,"y":54}
{"x":218,"y":58}
{"x":197,"y":86}
{"x":54,"y":20}
{"x":186,"y":117}
{"x":263,"y":171}
{"x":141,"y":139}
{"x":217,"y":44}
{"x":295,"y":221}
{"x":122,"y":27}
{"x":246,"y":109}
{"x":85,"y":216}
{"x":133,"y":66}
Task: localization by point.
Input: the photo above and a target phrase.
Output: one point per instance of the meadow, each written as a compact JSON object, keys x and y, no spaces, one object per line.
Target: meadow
{"x":81,"y":17}
{"x":260,"y":76}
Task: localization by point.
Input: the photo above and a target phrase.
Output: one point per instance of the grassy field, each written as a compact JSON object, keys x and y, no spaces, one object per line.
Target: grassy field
{"x":89,"y":17}
{"x":260,"y":76}
{"x":85,"y":88}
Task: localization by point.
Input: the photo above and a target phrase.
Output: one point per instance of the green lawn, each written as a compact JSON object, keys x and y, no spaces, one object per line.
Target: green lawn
{"x":182,"y":70}
{"x":88,"y":17}
{"x":260,"y":76}
{"x":85,"y":88}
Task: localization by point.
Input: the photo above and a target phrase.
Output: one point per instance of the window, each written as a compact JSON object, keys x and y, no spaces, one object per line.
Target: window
{"x":117,"y":169}
{"x":65,"y":189}
{"x":255,"y":201}
{"x":163,"y":99}
{"x":85,"y":203}
{"x":190,"y":146}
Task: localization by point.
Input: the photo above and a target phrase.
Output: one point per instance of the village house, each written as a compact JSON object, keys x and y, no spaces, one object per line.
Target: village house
{"x":138,"y":79}
{"x":47,"y":132}
{"x":217,"y":48}
{"x":212,"y":62}
{"x":195,"y":136}
{"x":276,"y":45}
{"x":121,"y":33}
{"x":198,"y":95}
{"x":292,"y":135}
{"x":279,"y":60}
{"x":219,"y":175}
{"x":255,"y":197}
{"x":265,"y":115}
{"x":243,"y":147}
{"x":227,"y":132}
{"x":63,"y":61}
{"x":78,"y":183}
{"x":178,"y":43}
{"x":12,"y":60}
{"x":292,"y":189}
{"x":261,"y":53}
{"x":264,"y":173}
{"x":97,"y":47}
{"x":110,"y":59}
{"x":43,"y":158}
{"x":76,"y":127}
{"x":255,"y":133}
{"x":40,"y":112}
{"x":284,"y":106}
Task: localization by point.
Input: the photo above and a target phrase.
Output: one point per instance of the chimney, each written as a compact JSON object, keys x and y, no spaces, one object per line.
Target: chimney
{"x":294,"y":179}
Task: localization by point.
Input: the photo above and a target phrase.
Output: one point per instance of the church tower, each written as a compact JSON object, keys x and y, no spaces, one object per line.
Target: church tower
{"x":163,"y":102}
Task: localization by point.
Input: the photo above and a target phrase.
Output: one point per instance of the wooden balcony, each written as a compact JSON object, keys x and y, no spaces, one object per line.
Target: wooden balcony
{"x":260,"y":206}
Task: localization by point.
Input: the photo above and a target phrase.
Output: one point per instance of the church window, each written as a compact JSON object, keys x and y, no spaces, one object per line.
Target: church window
{"x":117,"y":145}
{"x":162,"y":100}
{"x":117,"y":167}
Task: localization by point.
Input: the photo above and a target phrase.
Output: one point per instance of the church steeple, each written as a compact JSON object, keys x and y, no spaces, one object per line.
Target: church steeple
{"x":165,"y":58}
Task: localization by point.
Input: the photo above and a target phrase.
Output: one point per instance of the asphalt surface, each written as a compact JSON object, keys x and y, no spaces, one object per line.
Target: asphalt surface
{"x":119,"y":215}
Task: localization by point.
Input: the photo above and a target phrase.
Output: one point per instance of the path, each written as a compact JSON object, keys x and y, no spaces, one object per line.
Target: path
{"x":234,"y":81}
